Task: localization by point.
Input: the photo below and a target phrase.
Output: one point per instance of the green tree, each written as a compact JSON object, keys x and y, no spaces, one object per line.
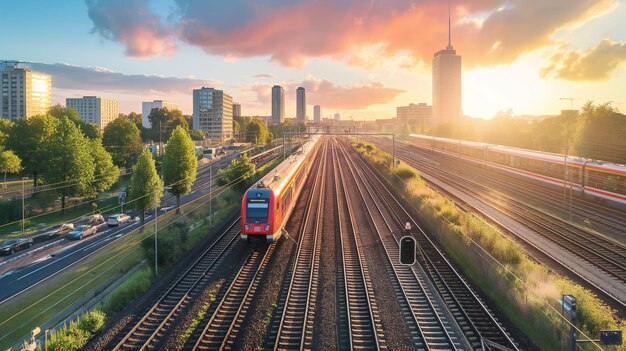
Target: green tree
{"x":68,"y":161}
{"x":9,"y":162}
{"x":196,"y":134}
{"x":5,"y":129}
{"x":59,"y":112}
{"x":123,"y":141}
{"x":163,"y":122}
{"x":179,"y":164}
{"x":238,"y":169}
{"x":257,"y":132}
{"x":105,"y":172}
{"x":146,"y":188}
{"x":28,"y":139}
{"x":91,"y":130}
{"x":600,"y":131}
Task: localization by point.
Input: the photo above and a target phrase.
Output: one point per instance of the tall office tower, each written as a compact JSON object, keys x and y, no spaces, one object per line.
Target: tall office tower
{"x":94,"y":109}
{"x":447,"y":84}
{"x":337,"y":116}
{"x":278,"y":104}
{"x":236,"y":110}
{"x":317,"y":113}
{"x":213,"y":113}
{"x":24,"y":93}
{"x":147,"y":106}
{"x":419,"y":115}
{"x":300,"y":105}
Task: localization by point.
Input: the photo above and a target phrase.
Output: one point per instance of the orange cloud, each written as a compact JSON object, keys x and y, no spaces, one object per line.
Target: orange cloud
{"x":329,"y":95}
{"x":595,"y":64}
{"x":485,"y":32}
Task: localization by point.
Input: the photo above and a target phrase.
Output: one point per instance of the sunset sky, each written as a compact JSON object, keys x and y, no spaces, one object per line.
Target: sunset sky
{"x":353,"y":56}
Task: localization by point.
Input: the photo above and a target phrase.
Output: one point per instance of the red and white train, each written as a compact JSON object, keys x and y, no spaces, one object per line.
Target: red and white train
{"x":266,"y":206}
{"x":593,"y":179}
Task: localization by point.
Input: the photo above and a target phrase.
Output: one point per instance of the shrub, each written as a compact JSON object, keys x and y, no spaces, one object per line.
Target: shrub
{"x":93,"y":321}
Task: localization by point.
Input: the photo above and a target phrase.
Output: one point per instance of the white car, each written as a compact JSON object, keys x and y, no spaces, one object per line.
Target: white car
{"x":117,"y":219}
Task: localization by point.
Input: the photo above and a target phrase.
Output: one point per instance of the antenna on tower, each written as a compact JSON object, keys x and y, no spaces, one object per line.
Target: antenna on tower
{"x":449,"y":28}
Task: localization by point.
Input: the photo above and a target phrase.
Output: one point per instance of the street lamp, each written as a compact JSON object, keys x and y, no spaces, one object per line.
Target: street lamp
{"x":156,"y":231}
{"x":23,"y":195}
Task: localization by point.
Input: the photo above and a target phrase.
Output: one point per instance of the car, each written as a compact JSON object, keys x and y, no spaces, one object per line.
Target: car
{"x":59,"y":230}
{"x":117,"y":219}
{"x":10,"y":246}
{"x":82,"y":231}
{"x":96,"y":219}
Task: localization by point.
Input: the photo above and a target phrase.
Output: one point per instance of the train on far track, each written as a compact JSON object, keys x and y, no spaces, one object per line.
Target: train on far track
{"x":592,"y":179}
{"x":266,"y":206}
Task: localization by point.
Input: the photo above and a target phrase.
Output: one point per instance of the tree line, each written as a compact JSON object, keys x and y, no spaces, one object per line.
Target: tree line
{"x":76,"y":159}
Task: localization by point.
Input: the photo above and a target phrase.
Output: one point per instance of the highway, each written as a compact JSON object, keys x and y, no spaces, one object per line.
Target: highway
{"x":42,"y":261}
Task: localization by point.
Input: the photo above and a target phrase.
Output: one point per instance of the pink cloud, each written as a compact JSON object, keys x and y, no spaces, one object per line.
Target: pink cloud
{"x":485,"y":32}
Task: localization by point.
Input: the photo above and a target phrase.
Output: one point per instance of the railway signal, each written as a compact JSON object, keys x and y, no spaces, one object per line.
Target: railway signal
{"x":407,"y":247}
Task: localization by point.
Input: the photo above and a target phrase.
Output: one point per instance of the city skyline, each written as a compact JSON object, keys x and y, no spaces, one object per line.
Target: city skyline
{"x":576,"y":51}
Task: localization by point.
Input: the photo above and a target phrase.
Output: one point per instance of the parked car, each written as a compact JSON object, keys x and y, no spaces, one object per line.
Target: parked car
{"x":117,"y":219}
{"x":59,"y":229}
{"x":10,"y":246}
{"x":96,"y":219}
{"x":82,"y":231}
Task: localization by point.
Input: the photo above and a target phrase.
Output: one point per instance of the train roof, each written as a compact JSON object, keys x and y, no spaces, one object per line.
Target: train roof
{"x":277,"y":178}
{"x":547,"y":156}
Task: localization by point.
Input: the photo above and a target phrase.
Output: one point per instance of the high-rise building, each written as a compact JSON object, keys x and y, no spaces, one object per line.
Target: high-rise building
{"x":213,"y":113}
{"x":337,"y":116}
{"x":147,"y":106}
{"x":419,"y":116}
{"x":278,"y":104}
{"x":236,"y":109}
{"x":447,"y":84}
{"x":24,"y":93}
{"x":300,"y":105}
{"x":317,"y":113}
{"x":95,"y":109}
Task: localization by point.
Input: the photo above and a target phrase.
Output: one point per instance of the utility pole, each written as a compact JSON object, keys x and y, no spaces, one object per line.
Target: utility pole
{"x":156,"y":234}
{"x":565,"y":152}
{"x":23,"y":209}
{"x":210,"y":194}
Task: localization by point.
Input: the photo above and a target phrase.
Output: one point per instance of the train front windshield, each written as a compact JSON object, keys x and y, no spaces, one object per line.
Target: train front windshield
{"x":257,"y":210}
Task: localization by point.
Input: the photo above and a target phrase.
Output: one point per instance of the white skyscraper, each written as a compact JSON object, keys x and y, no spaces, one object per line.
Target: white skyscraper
{"x":213,"y":113}
{"x":95,"y":109}
{"x":24,"y":93}
{"x":300,"y":105}
{"x":278,"y":104}
{"x":317,"y":113}
{"x":447,"y":84}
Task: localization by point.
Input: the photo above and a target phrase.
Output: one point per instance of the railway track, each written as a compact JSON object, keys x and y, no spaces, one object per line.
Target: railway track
{"x":146,"y":333}
{"x":476,"y":321}
{"x":359,"y":325}
{"x":294,"y":330}
{"x":221,"y":329}
{"x":426,"y":320}
{"x":609,"y":219}
{"x":606,"y":255}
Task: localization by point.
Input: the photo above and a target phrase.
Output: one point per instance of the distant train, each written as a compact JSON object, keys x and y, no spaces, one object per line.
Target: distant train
{"x":600,"y":181}
{"x":266,"y":206}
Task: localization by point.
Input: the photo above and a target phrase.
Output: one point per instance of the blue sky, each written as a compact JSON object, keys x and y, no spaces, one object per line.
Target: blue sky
{"x":369,"y":59}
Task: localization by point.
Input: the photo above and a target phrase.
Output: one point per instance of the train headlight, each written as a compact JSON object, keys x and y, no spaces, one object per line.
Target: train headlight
{"x":246,"y":226}
{"x":267,"y":227}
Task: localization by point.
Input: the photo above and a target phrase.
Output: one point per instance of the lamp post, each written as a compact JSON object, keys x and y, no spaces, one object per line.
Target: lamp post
{"x":23,"y":195}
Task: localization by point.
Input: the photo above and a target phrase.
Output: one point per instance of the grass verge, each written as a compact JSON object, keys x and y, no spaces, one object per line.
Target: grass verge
{"x":526,"y":291}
